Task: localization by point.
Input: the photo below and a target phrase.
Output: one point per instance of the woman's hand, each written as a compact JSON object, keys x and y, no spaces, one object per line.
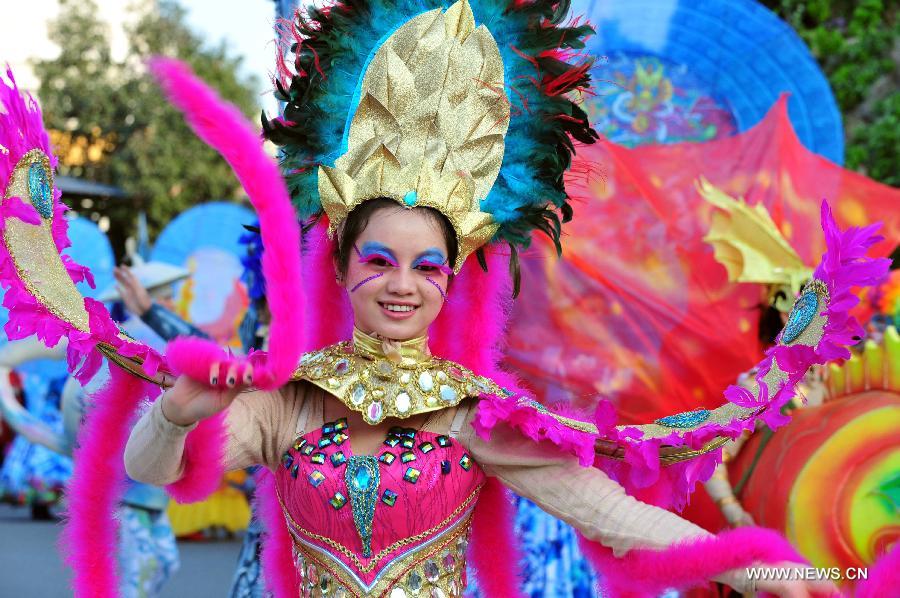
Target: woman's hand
{"x":189,"y":401}
{"x":796,"y":588}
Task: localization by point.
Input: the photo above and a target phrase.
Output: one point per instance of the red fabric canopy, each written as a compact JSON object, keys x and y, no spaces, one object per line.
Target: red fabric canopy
{"x":638,"y":310}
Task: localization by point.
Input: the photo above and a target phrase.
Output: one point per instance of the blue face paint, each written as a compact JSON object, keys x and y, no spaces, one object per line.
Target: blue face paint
{"x":372,"y":250}
{"x":433,"y":258}
{"x":433,"y":255}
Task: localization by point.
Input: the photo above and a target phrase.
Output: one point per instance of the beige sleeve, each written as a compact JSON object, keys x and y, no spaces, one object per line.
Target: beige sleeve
{"x":260,"y":426}
{"x":584,"y":497}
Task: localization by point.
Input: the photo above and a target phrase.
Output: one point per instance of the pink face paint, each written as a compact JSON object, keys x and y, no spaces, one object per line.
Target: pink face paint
{"x":365,"y":280}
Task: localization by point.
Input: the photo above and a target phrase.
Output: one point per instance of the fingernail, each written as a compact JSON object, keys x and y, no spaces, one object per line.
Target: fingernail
{"x":231,"y":381}
{"x":214,"y":380}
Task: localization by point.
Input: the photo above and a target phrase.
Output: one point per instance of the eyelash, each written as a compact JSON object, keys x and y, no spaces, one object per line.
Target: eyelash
{"x":383,"y":262}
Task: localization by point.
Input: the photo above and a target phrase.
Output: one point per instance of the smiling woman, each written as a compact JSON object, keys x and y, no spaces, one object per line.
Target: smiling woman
{"x":398,"y":275}
{"x":383,"y":458}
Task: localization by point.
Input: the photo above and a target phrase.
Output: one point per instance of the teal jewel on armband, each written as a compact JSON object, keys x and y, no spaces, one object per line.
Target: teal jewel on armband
{"x":362,"y":478}
{"x":688,"y":419}
{"x":40,"y":189}
{"x":802,"y":314}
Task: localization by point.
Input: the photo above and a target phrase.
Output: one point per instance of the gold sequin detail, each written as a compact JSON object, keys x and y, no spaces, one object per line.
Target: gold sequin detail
{"x":431,"y":122}
{"x":365,"y":380}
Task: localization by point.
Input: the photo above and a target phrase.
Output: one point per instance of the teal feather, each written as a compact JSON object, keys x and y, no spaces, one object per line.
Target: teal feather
{"x":529,"y":193}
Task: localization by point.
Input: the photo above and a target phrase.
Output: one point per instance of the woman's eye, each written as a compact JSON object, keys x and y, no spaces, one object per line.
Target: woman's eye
{"x":379,"y":261}
{"x":426,"y":268}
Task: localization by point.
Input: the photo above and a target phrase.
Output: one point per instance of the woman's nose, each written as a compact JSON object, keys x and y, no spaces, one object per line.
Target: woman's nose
{"x":401,"y":281}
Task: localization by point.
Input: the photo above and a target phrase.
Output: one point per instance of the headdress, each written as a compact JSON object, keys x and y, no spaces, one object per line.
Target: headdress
{"x":748,"y":243}
{"x":462,"y":109}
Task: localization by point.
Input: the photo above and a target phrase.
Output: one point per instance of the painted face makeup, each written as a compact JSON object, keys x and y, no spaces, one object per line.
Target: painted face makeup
{"x":398,"y":282}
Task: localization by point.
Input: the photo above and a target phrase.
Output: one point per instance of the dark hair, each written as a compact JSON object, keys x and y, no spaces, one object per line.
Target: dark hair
{"x":770,"y":323}
{"x":358,"y":220}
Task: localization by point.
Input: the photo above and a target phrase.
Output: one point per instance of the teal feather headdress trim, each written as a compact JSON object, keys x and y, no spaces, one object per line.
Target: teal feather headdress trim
{"x":330,"y":47}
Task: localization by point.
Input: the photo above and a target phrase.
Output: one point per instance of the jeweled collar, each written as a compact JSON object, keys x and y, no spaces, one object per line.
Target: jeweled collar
{"x":369,"y":381}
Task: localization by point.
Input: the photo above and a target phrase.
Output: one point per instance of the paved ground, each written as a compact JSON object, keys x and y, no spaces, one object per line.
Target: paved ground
{"x":30,"y":565}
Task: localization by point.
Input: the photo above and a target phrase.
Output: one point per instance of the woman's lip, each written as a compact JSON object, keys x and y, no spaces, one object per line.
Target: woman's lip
{"x":397,"y":315}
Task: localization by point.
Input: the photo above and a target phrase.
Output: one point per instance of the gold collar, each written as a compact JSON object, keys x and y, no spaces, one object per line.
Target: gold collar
{"x":369,"y":381}
{"x":408,"y":352}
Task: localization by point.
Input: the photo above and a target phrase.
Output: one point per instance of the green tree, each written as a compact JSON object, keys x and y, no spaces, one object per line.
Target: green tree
{"x":110,"y":123}
{"x":857,"y":44}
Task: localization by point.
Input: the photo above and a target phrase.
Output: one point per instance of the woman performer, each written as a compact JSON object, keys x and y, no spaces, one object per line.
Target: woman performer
{"x":381,"y":450}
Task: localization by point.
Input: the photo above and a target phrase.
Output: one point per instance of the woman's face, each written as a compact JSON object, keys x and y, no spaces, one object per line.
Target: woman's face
{"x":397,"y":274}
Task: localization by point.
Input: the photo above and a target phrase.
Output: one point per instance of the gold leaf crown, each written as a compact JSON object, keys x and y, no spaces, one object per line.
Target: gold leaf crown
{"x":429,"y":127}
{"x":748,"y":243}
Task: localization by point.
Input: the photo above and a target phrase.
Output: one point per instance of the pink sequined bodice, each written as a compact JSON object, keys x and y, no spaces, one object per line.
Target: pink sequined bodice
{"x":394,"y":524}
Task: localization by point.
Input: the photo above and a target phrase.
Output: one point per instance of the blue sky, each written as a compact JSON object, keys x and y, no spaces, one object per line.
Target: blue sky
{"x":246,"y":26}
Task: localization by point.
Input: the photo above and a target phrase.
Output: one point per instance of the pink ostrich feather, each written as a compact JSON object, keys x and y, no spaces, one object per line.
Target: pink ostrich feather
{"x":277,"y":560}
{"x":21,"y":127}
{"x":224,"y":128}
{"x":495,"y":550}
{"x":90,"y":538}
{"x":687,"y":564}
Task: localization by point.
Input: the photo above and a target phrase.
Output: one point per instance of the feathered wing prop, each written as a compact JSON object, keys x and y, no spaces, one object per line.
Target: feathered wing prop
{"x":662,"y":462}
{"x":42,"y":300}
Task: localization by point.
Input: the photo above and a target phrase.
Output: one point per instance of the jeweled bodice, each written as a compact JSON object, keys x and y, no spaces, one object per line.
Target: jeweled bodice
{"x":394,"y":524}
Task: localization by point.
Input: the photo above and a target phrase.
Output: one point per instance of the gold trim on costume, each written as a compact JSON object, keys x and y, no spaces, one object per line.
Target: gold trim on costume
{"x":366,"y":381}
{"x":444,"y":538}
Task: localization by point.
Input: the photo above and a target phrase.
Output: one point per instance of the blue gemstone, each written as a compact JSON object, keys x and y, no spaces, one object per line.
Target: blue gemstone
{"x":802,"y":314}
{"x":362,"y":479}
{"x":340,"y":424}
{"x":407,"y":443}
{"x":307,"y":450}
{"x":323,"y":442}
{"x":426,"y":447}
{"x":328,"y":429}
{"x":40,"y":189}
{"x":389,"y":497}
{"x":466,"y":462}
{"x":445,"y":467}
{"x":407,"y":456}
{"x":338,"y":458}
{"x":387,"y":458}
{"x":412,"y":475}
{"x":688,"y":419}
{"x":392,"y":441}
{"x":294,"y":470}
{"x":443,"y":441}
{"x":318,"y":458}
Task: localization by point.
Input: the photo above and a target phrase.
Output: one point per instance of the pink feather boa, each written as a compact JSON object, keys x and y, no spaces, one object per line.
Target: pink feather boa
{"x":224,"y":128}
{"x":91,"y":534}
{"x":843,"y":266}
{"x":687,"y":564}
